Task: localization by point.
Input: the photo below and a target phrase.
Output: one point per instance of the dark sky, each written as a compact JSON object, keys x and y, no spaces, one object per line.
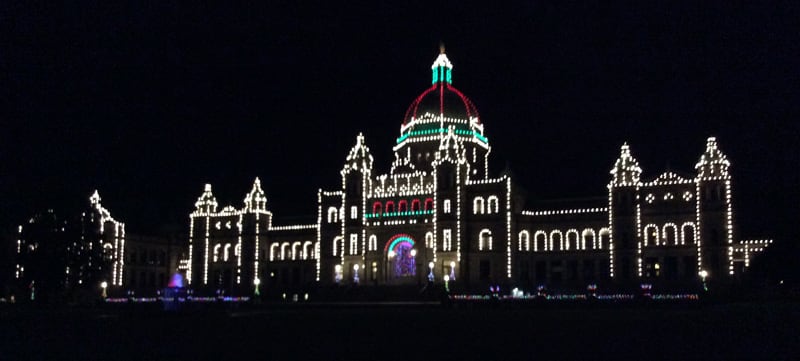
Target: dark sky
{"x":148,"y":102}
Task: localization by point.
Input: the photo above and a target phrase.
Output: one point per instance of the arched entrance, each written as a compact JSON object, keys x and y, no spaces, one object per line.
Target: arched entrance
{"x":400,"y":259}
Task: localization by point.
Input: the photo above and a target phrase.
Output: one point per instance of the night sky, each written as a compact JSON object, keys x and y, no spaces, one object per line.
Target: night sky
{"x":147,"y":103}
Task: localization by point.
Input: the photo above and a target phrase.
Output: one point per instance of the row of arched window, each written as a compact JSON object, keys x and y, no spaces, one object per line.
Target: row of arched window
{"x":667,"y":235}
{"x":293,"y":251}
{"x":556,"y":240}
{"x":222,"y":252}
{"x":402,"y":206}
{"x":490,"y":205}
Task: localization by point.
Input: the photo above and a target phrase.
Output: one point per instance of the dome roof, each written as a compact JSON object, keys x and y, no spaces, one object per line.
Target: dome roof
{"x":442,"y":98}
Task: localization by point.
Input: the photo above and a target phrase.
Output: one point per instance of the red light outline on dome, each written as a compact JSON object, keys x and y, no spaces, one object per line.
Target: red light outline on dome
{"x":472,"y":111}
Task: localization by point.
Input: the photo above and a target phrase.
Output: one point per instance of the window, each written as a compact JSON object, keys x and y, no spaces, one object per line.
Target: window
{"x":572,"y":239}
{"x":429,"y":204}
{"x":651,"y":235}
{"x":332,"y":213}
{"x":402,"y":206}
{"x":605,"y":238}
{"x":373,"y":243}
{"x":337,"y":243}
{"x":297,"y":249}
{"x":670,"y":234}
{"x":227,"y":251}
{"x":354,"y":243}
{"x":415,"y":205}
{"x":556,"y":241}
{"x":687,"y":233}
{"x":389,"y":207}
{"x":446,"y":206}
{"x":273,"y":251}
{"x":285,"y":250}
{"x":477,"y":205}
{"x":485,"y":240}
{"x":540,"y":241}
{"x":429,"y":240}
{"x":376,"y":208}
{"x":588,"y":239}
{"x":447,"y":242}
{"x":308,"y":250}
{"x":494,"y":205}
{"x":524,"y":241}
{"x":216,"y":252}
{"x":353,"y":212}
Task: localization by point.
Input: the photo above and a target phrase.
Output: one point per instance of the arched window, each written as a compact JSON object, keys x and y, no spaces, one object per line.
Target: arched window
{"x":494,"y":205}
{"x":373,"y":243}
{"x":337,"y":244}
{"x":227,"y":251}
{"x":477,"y":205}
{"x":604,"y":238}
{"x":429,"y":204}
{"x":429,"y":240}
{"x":651,"y":235}
{"x":485,"y":240}
{"x":237,"y":251}
{"x":556,"y":241}
{"x":376,"y":208}
{"x":297,"y":247}
{"x":572,"y":239}
{"x":540,"y":241}
{"x":389,"y":207}
{"x":446,"y":206}
{"x":308,"y":250}
{"x":415,"y":205}
{"x":402,"y":206}
{"x":216,"y":252}
{"x":524,"y":241}
{"x":447,"y":240}
{"x":670,"y":234}
{"x":273,"y":251}
{"x":285,"y":250}
{"x":687,"y":233}
{"x":332,"y":214}
{"x":588,"y":239}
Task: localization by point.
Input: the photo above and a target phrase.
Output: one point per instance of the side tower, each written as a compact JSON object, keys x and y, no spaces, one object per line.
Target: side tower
{"x":356,"y":184}
{"x":450,"y":170}
{"x":714,"y":212}
{"x":199,"y":227}
{"x":623,"y":217}
{"x":253,"y":226}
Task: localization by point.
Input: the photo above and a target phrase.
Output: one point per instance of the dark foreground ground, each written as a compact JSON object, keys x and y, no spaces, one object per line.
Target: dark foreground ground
{"x":758,"y":331}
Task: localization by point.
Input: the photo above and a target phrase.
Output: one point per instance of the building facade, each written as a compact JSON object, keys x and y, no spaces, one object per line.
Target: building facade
{"x":439,"y":214}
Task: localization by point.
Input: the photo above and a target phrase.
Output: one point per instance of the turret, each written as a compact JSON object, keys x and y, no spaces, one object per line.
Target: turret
{"x":255,"y":201}
{"x":623,"y":212}
{"x":206,"y":203}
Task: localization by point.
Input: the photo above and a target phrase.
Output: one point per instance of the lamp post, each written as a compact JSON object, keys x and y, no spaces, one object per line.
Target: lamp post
{"x":703,"y":274}
{"x":446,"y":283}
{"x":355,"y":276}
{"x":452,"y":270}
{"x":257,"y":282}
{"x":104,"y":286}
{"x":430,"y":275}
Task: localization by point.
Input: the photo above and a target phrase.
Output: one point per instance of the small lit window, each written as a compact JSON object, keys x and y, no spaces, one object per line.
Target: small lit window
{"x":446,"y":206}
{"x":687,"y":196}
{"x":447,"y":243}
{"x":353,"y":212}
{"x":650,"y":198}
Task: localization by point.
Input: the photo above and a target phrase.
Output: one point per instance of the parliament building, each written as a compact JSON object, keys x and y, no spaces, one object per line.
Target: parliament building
{"x":439,"y":214}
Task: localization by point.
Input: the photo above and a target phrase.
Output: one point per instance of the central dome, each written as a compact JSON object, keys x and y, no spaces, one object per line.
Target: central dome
{"x":442,"y":98}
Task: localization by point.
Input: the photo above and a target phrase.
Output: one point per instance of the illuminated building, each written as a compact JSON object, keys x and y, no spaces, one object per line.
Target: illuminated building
{"x":439,"y":212}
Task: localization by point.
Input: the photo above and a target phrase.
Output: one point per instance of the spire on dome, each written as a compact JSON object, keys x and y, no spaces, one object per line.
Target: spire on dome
{"x":442,"y":68}
{"x":255,"y":200}
{"x":626,"y":170}
{"x":206,"y":203}
{"x":95,"y":198}
{"x":359,"y":157}
{"x":713,"y":163}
